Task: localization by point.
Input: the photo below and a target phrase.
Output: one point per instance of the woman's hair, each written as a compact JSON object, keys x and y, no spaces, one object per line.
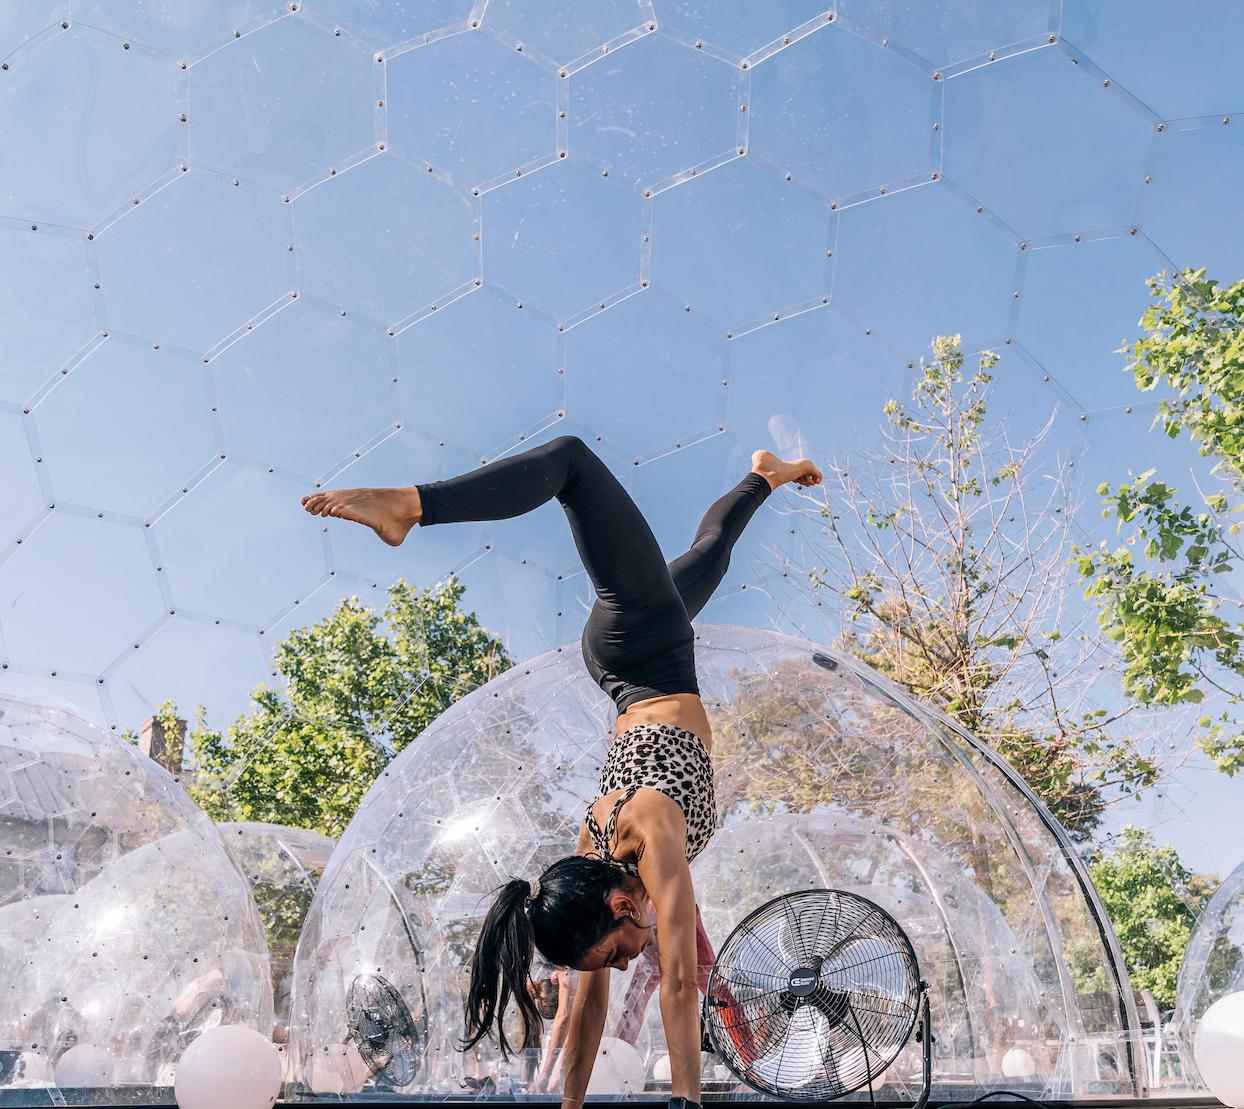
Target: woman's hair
{"x":569,"y":916}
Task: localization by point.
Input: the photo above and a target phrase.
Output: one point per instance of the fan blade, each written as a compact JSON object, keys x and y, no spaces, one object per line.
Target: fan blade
{"x":848,"y":924}
{"x":802,"y":933}
{"x":401,"y":1068}
{"x":752,"y":1027}
{"x":872,"y":964}
{"x":867,"y":1036}
{"x":756,"y":964}
{"x":794,"y":1059}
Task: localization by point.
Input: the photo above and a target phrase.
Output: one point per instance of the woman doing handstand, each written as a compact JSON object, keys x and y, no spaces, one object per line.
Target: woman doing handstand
{"x":655,"y":811}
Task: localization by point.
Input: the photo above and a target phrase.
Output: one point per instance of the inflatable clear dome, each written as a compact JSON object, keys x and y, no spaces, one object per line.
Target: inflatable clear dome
{"x":125,"y":928}
{"x":1213,"y":964}
{"x":283,"y":866}
{"x":826,"y":774}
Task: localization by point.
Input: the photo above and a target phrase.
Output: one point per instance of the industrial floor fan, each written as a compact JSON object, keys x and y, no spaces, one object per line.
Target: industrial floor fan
{"x":814,"y":994}
{"x":380,"y":1026}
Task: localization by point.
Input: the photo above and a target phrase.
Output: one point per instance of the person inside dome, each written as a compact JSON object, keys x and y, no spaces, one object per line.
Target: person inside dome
{"x":656,"y":808}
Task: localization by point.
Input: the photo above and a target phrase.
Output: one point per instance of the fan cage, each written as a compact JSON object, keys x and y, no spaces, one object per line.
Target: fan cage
{"x":857,"y":1016}
{"x":383,"y":1030}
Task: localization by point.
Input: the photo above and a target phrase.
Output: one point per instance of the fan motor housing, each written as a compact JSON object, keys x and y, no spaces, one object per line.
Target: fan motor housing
{"x":802,"y":981}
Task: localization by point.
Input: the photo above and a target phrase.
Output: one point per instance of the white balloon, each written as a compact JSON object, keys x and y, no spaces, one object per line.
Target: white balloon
{"x":619,"y":1068}
{"x":228,"y":1065}
{"x":1018,"y":1063}
{"x":84,"y":1065}
{"x":1219,"y":1049}
{"x":662,"y":1070}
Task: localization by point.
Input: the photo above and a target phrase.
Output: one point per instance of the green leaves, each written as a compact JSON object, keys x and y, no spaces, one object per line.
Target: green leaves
{"x":1180,"y":636}
{"x":1194,"y":342}
{"x":359,"y":687}
{"x":950,"y":417}
{"x":1152,"y":900}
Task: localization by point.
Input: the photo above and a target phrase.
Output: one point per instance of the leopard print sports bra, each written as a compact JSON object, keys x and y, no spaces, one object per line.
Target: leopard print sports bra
{"x":663,"y":757}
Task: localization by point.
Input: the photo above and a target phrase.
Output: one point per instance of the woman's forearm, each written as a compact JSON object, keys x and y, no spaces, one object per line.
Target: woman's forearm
{"x":680,"y":1013}
{"x":557,"y":1032}
{"x":579,"y":1050}
{"x":550,"y":1066}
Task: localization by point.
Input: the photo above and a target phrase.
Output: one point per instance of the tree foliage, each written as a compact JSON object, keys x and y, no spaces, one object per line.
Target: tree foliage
{"x":1153,"y":901}
{"x":358,"y":687}
{"x":1160,"y":596}
{"x":947,"y":556}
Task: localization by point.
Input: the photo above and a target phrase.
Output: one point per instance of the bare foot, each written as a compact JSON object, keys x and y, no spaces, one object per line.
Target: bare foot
{"x":390,"y":513}
{"x":777,"y":472}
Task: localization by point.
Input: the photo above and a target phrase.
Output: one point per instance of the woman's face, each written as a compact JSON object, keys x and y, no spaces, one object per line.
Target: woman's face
{"x":626,"y":940}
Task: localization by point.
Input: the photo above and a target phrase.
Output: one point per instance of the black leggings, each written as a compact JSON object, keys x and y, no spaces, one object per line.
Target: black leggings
{"x":637,"y":641}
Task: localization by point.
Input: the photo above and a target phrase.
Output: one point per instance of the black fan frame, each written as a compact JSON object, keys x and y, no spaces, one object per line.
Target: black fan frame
{"x":393,"y":997}
{"x":920,"y":1014}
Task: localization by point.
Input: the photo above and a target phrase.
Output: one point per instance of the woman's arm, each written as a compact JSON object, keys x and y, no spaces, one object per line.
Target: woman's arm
{"x":667,"y":877}
{"x":550,"y":1067}
{"x":587,"y":1021}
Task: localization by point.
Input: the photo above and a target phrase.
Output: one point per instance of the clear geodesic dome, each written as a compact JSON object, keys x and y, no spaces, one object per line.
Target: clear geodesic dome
{"x":125,"y":924}
{"x":283,"y":866}
{"x":255,"y":246}
{"x":1213,"y":963}
{"x":826,"y":775}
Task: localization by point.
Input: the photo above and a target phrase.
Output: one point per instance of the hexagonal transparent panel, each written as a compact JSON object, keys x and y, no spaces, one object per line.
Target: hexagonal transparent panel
{"x":282,"y":867}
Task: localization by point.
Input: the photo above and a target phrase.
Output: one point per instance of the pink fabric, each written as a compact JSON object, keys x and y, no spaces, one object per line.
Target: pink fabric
{"x":647,"y":976}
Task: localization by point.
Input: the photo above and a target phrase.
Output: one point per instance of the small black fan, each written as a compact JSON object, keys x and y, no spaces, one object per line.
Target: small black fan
{"x":814,"y":994}
{"x":381,"y":1027}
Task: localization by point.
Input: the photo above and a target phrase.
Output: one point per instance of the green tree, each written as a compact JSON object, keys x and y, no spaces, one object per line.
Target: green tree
{"x":947,"y":559}
{"x":1160,"y":596}
{"x":1153,"y":901}
{"x":356,"y":693}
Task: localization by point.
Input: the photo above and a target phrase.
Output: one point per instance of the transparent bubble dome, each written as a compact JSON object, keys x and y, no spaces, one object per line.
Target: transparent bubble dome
{"x":282,"y":866}
{"x":1213,"y":964}
{"x":124,"y":924}
{"x":826,"y":775}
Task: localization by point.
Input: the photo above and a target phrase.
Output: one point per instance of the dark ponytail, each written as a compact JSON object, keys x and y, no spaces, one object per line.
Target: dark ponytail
{"x":502,"y":964}
{"x":567,"y":918}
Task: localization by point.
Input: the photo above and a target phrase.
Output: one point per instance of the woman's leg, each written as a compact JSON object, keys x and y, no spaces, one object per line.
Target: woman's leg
{"x":697,"y":572}
{"x":618,"y":549}
{"x":636,"y":654}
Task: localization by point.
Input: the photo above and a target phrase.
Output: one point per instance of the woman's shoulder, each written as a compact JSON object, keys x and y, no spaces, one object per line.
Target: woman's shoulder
{"x":651,"y":814}
{"x":646,"y":817}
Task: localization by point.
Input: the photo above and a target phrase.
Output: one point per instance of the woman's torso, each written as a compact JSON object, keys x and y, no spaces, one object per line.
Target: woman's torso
{"x":656,"y":763}
{"x":682,"y":710}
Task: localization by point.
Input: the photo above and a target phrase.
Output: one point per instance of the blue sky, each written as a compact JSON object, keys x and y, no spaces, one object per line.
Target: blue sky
{"x":249,"y":251}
